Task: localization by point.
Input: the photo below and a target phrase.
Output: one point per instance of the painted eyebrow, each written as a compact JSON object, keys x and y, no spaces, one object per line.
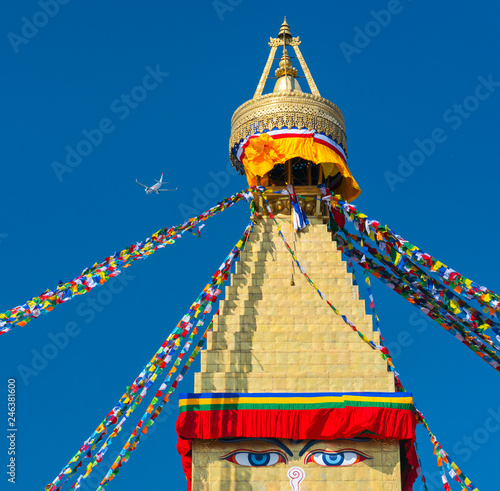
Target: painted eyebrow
{"x":312,"y":442}
{"x":274,"y":441}
{"x":307,"y":446}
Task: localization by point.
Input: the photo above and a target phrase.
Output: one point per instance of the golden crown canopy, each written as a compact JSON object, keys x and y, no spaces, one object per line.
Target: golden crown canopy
{"x":290,"y":136}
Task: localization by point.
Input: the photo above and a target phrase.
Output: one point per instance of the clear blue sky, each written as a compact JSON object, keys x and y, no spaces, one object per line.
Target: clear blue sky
{"x":413,"y":75}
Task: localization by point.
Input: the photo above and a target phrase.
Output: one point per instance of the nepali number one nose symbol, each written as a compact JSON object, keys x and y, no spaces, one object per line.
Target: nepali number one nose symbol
{"x":296,"y":476}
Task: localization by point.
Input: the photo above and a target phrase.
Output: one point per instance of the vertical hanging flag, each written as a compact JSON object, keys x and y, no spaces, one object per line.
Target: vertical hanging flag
{"x":299,"y":218}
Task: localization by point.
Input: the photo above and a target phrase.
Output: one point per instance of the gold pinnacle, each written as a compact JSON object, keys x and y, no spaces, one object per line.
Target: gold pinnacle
{"x":285,"y":35}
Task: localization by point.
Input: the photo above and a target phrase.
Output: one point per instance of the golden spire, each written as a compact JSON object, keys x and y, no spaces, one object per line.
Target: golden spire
{"x":287,"y":106}
{"x":286,"y":74}
{"x":286,"y":66}
{"x":285,"y":35}
{"x":289,"y":83}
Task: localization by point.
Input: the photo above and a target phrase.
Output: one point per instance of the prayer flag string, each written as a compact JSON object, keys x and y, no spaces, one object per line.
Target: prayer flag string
{"x":425,"y":303}
{"x":109,"y":268}
{"x":151,"y":414}
{"x":386,"y":355}
{"x":417,"y":287}
{"x":437,"y":294}
{"x":366,"y":271}
{"x":453,"y":470}
{"x":403,"y":267}
{"x":399,"y":249}
{"x":135,"y":393}
{"x":382,"y":349}
{"x":414,"y":274}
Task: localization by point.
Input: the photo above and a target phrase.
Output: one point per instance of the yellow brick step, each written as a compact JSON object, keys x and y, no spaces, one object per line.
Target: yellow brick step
{"x":283,"y":370}
{"x":274,"y":240}
{"x":329,"y":286}
{"x":252,"y":309}
{"x":352,"y":354}
{"x":284,"y":296}
{"x":284,"y":265}
{"x":268,"y":278}
{"x":284,"y":224}
{"x":321,"y":322}
{"x":288,"y":340}
{"x":330,"y":278}
{"x":263,"y":242}
{"x":286,"y":318}
{"x":305,"y":310}
{"x":277,"y":329}
{"x":272,"y":346}
{"x":300,"y":290}
{"x":286,"y":273}
{"x":314,"y":231}
{"x":339,"y":285}
{"x":307,"y":300}
{"x":292,"y":309}
{"x":301,"y":381}
{"x":283,"y":279}
{"x":249,"y":324}
{"x":311,"y":267}
{"x":303,"y":248}
{"x":325,"y":255}
{"x":306,"y":294}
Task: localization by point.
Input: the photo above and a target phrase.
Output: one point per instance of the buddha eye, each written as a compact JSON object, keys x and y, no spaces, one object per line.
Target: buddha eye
{"x":249,"y":458}
{"x":335,"y":459}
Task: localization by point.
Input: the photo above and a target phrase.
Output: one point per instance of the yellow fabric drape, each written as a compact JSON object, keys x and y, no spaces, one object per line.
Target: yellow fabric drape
{"x":261,"y":155}
{"x":264,"y":152}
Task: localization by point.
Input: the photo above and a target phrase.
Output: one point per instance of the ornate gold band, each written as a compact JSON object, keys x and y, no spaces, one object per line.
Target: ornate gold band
{"x":286,"y":109}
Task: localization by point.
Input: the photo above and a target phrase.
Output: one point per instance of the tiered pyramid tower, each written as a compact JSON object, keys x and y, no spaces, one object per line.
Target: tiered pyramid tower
{"x":271,"y":336}
{"x":275,"y":335}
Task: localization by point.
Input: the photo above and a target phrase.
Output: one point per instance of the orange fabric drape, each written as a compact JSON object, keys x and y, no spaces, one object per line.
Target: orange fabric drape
{"x":264,"y":152}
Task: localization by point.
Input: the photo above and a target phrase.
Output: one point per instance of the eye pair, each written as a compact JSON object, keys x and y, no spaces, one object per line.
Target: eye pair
{"x":324,"y":458}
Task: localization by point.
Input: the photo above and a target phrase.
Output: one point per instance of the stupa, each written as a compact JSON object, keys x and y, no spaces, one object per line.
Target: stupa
{"x":288,"y":397}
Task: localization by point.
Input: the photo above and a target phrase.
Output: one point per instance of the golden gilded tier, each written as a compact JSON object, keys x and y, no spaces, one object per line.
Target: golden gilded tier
{"x":287,"y":106}
{"x":290,"y":109}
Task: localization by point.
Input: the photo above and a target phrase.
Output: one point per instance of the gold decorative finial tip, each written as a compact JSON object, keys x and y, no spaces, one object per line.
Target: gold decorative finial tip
{"x":285,"y":31}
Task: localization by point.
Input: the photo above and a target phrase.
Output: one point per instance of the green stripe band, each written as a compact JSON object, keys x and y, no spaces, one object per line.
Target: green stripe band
{"x":296,"y":406}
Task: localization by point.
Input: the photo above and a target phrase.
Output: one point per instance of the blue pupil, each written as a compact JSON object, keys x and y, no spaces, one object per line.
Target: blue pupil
{"x":259,"y":460}
{"x":333,"y":459}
